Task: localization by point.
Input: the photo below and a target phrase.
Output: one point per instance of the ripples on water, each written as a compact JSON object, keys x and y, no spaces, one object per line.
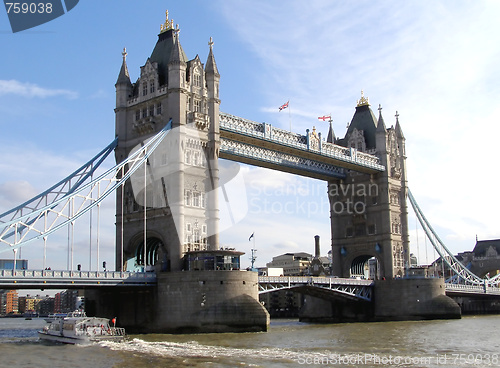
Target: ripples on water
{"x":287,"y":344}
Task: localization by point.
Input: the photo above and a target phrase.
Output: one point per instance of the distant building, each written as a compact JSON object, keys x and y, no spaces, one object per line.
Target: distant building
{"x":293,"y":264}
{"x":45,"y":306}
{"x":69,"y":300}
{"x":483,"y":260}
{"x":8,"y":302}
{"x":8,"y":264}
{"x":31,"y":303}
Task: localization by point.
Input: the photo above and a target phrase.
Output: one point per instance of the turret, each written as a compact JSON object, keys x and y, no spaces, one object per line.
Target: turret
{"x":123,"y":89}
{"x":381,"y":138}
{"x":212,"y":78}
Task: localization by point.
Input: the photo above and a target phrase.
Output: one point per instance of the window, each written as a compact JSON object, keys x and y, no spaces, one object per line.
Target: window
{"x":188,"y":227}
{"x":197,"y":104}
{"x":144,"y":113}
{"x":188,"y":157}
{"x":204,"y":229}
{"x":164,"y":159}
{"x":144,"y":89}
{"x":203,"y":201}
{"x":197,"y":80}
{"x":196,"y":199}
{"x":360,"y":230}
{"x":158,"y":109}
{"x":196,"y":159}
{"x":151,"y":87}
{"x":137,"y":114}
{"x":151,"y":110}
{"x":371,"y":229}
{"x":349,"y":232}
{"x":187,"y":197}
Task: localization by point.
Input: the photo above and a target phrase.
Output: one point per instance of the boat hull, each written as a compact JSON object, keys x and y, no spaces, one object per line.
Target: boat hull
{"x":78,"y":339}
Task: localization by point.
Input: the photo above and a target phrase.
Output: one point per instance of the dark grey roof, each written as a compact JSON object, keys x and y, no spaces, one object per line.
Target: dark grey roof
{"x":331,"y":135}
{"x":483,"y":245}
{"x":163,"y":51}
{"x":364,"y":120}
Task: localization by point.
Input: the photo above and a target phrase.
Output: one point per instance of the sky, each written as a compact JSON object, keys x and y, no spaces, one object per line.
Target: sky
{"x":434,"y":62}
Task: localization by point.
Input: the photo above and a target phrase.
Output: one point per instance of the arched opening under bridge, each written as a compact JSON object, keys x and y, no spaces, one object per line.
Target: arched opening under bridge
{"x":365,"y":267}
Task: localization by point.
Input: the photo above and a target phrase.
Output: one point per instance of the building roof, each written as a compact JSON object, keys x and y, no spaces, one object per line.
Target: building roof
{"x":364,"y":120}
{"x":124,"y":76}
{"x":211,"y":66}
{"x":331,"y":135}
{"x":483,"y":245}
{"x":164,"y":50}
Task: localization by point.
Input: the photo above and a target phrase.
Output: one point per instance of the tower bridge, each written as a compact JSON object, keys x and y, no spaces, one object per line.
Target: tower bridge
{"x":167,"y":181}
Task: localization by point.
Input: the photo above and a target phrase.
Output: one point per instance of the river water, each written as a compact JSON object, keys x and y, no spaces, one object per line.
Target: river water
{"x":468,"y":342}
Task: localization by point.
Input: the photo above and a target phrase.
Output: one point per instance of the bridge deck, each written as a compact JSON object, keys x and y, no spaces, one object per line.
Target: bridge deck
{"x":52,"y":279}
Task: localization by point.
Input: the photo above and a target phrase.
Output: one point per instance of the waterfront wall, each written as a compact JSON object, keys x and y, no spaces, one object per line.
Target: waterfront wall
{"x":319,"y":310}
{"x":185,"y":302}
{"x":393,"y":300}
{"x":478,"y":304}
{"x":413,"y":299}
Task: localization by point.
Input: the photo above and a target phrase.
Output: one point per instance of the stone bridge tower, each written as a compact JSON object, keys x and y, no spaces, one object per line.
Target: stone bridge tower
{"x":369,"y":213}
{"x":167,"y":215}
{"x":181,"y":203}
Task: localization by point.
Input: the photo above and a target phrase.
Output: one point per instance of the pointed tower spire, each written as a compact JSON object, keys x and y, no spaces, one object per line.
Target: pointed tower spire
{"x":331,"y":135}
{"x":177,"y":54}
{"x":211,"y":66}
{"x":381,"y":123}
{"x":399,"y":131}
{"x":124,"y":76}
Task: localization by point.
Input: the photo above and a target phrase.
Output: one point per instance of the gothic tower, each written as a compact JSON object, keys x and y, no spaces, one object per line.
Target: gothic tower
{"x":179,"y":211}
{"x":369,"y":213}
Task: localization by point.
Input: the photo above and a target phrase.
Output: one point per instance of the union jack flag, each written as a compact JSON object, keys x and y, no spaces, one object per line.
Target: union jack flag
{"x":284,"y":106}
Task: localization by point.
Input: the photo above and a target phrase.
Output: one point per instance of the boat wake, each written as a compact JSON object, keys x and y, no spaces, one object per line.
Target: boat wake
{"x":194,"y":349}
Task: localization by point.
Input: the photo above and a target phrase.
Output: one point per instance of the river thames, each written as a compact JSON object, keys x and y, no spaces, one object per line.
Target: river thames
{"x":473,"y":341}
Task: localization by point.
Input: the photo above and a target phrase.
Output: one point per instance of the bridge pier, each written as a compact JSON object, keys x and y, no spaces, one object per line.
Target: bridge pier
{"x":397,"y":299}
{"x":478,"y":304}
{"x":413,"y":299}
{"x":334,"y":311}
{"x":185,"y":302}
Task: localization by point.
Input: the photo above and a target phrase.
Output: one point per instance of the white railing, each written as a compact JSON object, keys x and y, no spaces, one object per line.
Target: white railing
{"x":314,"y":280}
{"x":68,"y":276}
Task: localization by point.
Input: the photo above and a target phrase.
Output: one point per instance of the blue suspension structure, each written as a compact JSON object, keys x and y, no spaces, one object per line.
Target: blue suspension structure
{"x":72,"y":197}
{"x":462,"y":275}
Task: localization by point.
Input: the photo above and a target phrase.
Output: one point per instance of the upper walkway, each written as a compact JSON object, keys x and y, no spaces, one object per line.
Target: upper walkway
{"x":261,"y":144}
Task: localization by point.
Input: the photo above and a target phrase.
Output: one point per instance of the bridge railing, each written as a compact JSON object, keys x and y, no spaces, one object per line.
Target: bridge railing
{"x":77,"y":275}
{"x":473,"y":288}
{"x":314,"y":280}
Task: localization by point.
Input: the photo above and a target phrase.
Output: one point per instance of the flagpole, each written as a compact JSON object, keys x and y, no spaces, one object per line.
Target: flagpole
{"x":253,"y":257}
{"x":290,"y":115}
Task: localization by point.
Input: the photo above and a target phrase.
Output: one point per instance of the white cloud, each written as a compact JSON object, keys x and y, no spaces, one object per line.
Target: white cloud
{"x":433,"y":62}
{"x":14,"y":87}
